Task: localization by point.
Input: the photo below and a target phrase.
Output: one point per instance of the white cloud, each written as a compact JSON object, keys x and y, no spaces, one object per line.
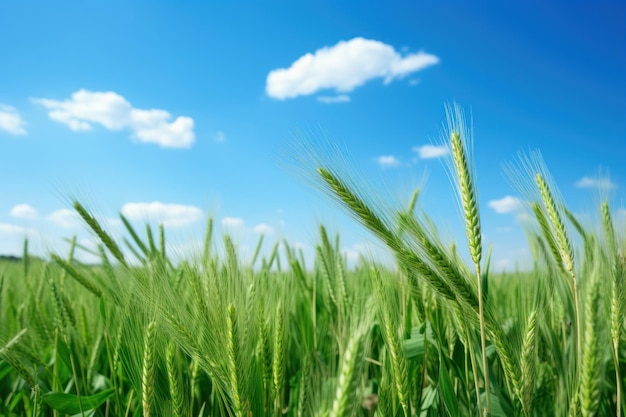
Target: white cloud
{"x":415,"y":81}
{"x":353,"y":255}
{"x":64,"y":218}
{"x":232,"y":222}
{"x":24,"y":211}
{"x":170,"y":215}
{"x":341,"y":98}
{"x":387,"y":161}
{"x":11,"y":121}
{"x":344,"y":67}
{"x":601,"y":183}
{"x":506,"y":204}
{"x":264,"y":229}
{"x":431,"y":151}
{"x":11,"y":230}
{"x":114,"y":112}
{"x":504,"y":264}
{"x":220,"y":137}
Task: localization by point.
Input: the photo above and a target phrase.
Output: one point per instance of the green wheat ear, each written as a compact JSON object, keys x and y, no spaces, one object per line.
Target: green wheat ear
{"x":468,"y":197}
{"x":233,"y":351}
{"x":467,"y":190}
{"x":528,"y":363}
{"x":100,"y":232}
{"x":346,"y":393}
{"x":147,"y":376}
{"x":562,"y":239}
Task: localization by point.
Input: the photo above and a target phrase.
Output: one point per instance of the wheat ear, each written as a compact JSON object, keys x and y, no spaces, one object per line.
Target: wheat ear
{"x":527,"y":363}
{"x":564,"y":246}
{"x":232,"y":345}
{"x":616,"y":301}
{"x":590,"y":373}
{"x":345,"y":395}
{"x":472,"y":228}
{"x":173,"y":380}
{"x":99,"y":231}
{"x":147,"y":374}
{"x":278,"y":364}
{"x":398,"y":360}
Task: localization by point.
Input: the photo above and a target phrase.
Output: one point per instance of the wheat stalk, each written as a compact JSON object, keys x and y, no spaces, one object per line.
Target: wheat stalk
{"x":469,"y":202}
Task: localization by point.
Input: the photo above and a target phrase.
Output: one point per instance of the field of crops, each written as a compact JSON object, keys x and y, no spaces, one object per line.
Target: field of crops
{"x":436,"y":336}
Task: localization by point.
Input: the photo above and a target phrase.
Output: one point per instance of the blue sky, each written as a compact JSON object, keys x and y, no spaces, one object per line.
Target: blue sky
{"x":174,"y":111}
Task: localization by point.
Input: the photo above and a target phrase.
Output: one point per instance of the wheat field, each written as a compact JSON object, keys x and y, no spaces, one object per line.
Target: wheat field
{"x":435,"y":336}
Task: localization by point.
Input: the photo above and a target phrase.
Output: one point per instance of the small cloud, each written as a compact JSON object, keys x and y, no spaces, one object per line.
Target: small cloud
{"x":341,"y":98}
{"x":112,"y":222}
{"x":65,"y":218}
{"x":220,"y":137}
{"x":263,"y":229}
{"x":414,"y":81}
{"x":11,"y":230}
{"x":505,"y":229}
{"x":503,"y":264}
{"x":353,"y":255}
{"x":524,"y":217}
{"x":170,"y":215}
{"x":24,"y":211}
{"x":232,"y":222}
{"x":11,"y":121}
{"x":344,"y":67}
{"x":431,"y":151}
{"x":601,"y":183}
{"x":114,"y":112}
{"x":506,"y":204}
{"x":387,"y":161}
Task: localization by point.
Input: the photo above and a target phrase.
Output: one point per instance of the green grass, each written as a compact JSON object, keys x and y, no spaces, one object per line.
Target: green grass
{"x":216,"y":336}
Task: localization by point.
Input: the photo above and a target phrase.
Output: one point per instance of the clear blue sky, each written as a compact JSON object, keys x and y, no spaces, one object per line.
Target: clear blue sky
{"x":173,"y":111}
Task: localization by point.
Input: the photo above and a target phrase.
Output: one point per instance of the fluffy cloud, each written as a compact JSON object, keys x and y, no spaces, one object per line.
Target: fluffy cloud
{"x":263,"y":228}
{"x":114,"y":112}
{"x":170,"y":215}
{"x":506,"y":204}
{"x":64,"y":218}
{"x":232,"y":222}
{"x":341,"y":98}
{"x":11,"y":121}
{"x":601,"y":183}
{"x":344,"y":67}
{"x":220,"y":137}
{"x":23,"y":211}
{"x":431,"y":151}
{"x":387,"y":161}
